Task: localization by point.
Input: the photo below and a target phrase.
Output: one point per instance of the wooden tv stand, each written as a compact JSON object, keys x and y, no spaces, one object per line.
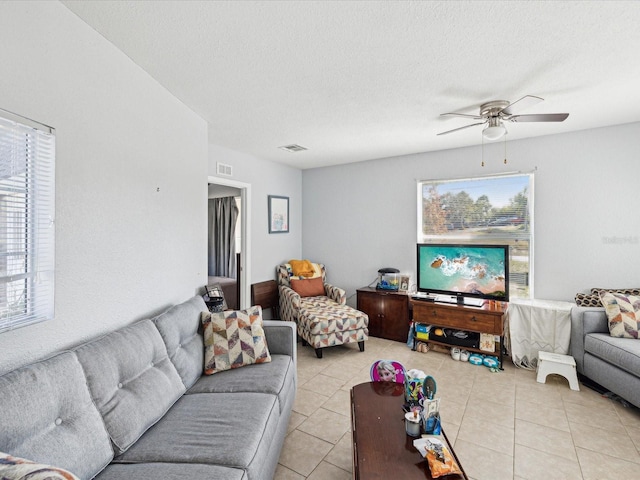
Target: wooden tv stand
{"x":485,"y":319}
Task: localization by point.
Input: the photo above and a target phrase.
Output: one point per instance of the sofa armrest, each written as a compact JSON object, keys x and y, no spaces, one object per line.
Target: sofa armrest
{"x":336,"y":294}
{"x":281,"y":338}
{"x":585,"y":320}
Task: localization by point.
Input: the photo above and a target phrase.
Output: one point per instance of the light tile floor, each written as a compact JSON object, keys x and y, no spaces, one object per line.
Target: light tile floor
{"x":503,"y":425}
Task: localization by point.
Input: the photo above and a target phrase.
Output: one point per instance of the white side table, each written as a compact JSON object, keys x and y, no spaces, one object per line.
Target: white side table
{"x":564,"y":365}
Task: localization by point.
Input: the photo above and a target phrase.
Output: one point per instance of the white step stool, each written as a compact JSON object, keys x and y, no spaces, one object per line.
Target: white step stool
{"x":564,"y":365}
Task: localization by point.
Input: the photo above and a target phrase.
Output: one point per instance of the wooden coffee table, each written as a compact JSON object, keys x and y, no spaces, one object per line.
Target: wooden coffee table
{"x":381,"y":447}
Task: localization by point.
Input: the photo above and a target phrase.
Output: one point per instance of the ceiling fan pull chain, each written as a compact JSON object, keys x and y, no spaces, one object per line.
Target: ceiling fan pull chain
{"x":505,"y":149}
{"x":482,"y":164}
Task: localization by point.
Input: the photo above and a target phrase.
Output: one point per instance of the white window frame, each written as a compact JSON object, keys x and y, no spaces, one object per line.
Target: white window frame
{"x":27,"y":233}
{"x":458,"y":232}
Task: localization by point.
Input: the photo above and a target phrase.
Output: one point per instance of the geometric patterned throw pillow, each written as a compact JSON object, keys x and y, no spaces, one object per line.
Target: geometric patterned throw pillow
{"x":588,"y":300}
{"x":625,"y":291}
{"x":233,"y":339}
{"x":623,"y":312}
{"x":15,"y":468}
{"x":593,"y":299}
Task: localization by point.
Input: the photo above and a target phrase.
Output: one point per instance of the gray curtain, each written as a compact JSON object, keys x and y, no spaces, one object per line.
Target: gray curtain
{"x":223,"y":214}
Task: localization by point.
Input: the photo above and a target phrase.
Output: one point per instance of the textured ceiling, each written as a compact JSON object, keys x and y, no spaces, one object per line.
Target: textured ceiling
{"x":357,"y":80}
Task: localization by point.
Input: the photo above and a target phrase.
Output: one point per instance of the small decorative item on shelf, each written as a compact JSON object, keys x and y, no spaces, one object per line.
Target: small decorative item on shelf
{"x":487,"y":342}
{"x":422,"y":331}
{"x":388,"y":279}
{"x":403,"y":285}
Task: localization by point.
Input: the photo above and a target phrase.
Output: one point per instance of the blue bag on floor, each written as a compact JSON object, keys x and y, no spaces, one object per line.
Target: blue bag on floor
{"x":410,"y":337}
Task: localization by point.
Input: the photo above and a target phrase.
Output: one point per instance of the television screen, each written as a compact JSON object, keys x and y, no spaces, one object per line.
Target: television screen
{"x":479,"y":271}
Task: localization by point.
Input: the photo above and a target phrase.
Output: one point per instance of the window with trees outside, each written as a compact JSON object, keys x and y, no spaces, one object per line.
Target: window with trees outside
{"x":27,"y":155}
{"x":487,"y":210}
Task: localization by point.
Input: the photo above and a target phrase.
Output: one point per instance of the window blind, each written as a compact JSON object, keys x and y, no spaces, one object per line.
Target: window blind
{"x":27,"y":242}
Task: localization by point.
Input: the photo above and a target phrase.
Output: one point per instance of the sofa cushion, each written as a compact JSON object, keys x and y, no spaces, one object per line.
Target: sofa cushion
{"x":16,"y":468}
{"x":623,"y":353}
{"x":226,"y":429}
{"x":46,"y":415}
{"x":276,"y":378}
{"x":623,"y":312}
{"x":233,"y":339}
{"x":131,"y":379}
{"x":170,"y":471}
{"x":180,"y":329}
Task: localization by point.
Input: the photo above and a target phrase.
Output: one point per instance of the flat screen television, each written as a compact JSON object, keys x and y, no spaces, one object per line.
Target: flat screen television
{"x":474,"y":271}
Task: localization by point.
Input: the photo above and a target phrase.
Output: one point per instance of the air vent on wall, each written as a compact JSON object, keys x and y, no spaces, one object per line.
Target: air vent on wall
{"x":224,"y":169}
{"x":293,"y":148}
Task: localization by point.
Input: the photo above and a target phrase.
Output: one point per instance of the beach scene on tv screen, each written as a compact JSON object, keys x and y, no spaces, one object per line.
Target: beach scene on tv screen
{"x":474,"y":270}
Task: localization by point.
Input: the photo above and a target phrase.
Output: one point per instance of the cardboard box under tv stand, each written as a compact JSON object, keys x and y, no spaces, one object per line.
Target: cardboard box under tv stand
{"x":486,"y":319}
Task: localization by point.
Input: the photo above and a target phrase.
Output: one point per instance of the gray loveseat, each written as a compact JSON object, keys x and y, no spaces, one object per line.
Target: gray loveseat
{"x":134,"y":404}
{"x":613,"y":363}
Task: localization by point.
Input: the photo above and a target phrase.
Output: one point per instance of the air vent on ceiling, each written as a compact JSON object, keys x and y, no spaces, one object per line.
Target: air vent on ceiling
{"x":224,"y":169}
{"x":293,"y":148}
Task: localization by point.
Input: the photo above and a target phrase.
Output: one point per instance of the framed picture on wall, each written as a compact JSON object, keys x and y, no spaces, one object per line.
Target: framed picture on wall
{"x":278,"y":214}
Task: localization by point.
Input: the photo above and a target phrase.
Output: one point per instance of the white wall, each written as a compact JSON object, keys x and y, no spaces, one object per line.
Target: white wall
{"x":131,"y":178}
{"x":360,"y":217}
{"x":266,"y":178}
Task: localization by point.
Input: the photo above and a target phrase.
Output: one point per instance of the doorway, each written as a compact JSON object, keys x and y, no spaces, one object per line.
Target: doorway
{"x":243,"y":193}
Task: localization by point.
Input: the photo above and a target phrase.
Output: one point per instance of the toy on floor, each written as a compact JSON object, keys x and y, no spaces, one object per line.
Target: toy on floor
{"x":387,"y":371}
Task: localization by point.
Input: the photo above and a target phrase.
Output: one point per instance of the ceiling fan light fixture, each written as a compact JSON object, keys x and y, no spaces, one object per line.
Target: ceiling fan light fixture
{"x":494,"y":130}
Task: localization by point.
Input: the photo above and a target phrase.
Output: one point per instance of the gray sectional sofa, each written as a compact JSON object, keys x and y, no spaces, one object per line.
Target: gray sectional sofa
{"x":613,"y":363}
{"x":134,"y":404}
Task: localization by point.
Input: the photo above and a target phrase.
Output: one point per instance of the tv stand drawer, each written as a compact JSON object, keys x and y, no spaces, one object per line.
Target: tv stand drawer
{"x":472,"y":319}
{"x":462,"y":321}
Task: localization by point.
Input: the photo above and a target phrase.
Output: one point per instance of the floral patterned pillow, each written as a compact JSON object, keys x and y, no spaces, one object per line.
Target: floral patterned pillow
{"x":623,"y":312}
{"x":233,"y":339}
{"x":15,"y":468}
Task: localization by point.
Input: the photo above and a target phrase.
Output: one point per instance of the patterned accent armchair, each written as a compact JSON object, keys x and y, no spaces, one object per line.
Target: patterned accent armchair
{"x":322,"y":321}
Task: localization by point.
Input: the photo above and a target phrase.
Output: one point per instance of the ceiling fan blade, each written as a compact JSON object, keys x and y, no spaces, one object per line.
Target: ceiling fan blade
{"x":461,"y":128}
{"x":541,"y":117}
{"x":521,"y":104}
{"x":453,"y":114}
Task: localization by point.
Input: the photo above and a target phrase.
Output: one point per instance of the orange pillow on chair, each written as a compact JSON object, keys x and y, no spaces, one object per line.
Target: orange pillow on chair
{"x":301,"y":268}
{"x":308,"y":287}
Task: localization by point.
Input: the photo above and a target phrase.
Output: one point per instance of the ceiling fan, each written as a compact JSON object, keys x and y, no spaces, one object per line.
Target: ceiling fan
{"x":495,"y":113}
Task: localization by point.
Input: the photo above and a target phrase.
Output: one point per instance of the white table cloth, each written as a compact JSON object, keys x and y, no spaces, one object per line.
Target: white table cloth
{"x":537,"y":325}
